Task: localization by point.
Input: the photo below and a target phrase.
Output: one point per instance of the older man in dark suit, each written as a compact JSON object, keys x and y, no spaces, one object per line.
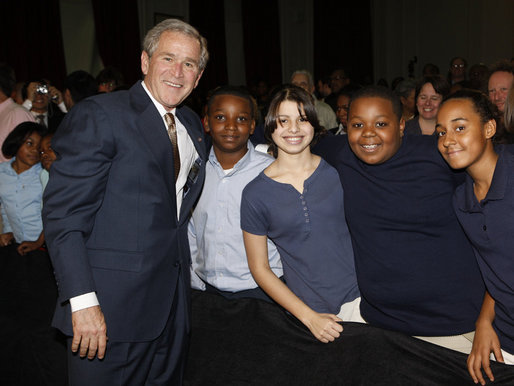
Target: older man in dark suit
{"x":130,"y":166}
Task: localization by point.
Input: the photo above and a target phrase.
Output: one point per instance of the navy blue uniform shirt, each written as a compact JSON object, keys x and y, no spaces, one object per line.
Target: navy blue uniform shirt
{"x":310,"y":233}
{"x":415,"y":267}
{"x":489,"y":225}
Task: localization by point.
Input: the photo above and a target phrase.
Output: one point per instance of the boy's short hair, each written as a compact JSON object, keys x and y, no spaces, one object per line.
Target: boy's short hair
{"x":110,"y":74}
{"x":20,"y":133}
{"x":234,"y":91}
{"x":379,"y":92}
{"x":81,"y":85}
{"x":349,"y":90}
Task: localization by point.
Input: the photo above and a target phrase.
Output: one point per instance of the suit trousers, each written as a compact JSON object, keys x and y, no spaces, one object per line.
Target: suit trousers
{"x":157,"y":362}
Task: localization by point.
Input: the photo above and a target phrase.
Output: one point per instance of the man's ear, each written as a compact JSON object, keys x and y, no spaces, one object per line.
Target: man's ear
{"x":198,"y":78}
{"x":490,"y":129}
{"x":145,"y":62}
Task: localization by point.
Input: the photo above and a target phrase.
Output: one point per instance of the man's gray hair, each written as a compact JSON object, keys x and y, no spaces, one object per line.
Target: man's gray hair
{"x":310,"y":79}
{"x":175,"y":25}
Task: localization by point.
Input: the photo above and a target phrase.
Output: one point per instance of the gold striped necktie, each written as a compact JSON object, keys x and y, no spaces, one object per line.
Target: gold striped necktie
{"x":172,"y":133}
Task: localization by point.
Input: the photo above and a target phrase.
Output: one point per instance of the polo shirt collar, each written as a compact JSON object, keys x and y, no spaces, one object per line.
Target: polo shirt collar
{"x":245,"y":160}
{"x":498,"y":185}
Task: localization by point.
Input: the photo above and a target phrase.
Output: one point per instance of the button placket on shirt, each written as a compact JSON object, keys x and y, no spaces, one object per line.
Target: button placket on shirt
{"x":222,"y":206}
{"x":305,"y":210}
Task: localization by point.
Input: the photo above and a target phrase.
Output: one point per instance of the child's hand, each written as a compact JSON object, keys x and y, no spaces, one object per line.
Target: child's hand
{"x":6,"y":239}
{"x":485,"y":342}
{"x":325,"y":327}
{"x":28,"y":246}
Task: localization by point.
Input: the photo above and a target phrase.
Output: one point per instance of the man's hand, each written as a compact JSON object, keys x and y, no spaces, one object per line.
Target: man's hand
{"x":89,"y":332}
{"x":55,"y":95}
{"x":31,"y":90}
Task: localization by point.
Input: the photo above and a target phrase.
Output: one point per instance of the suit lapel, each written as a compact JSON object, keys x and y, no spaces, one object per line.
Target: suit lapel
{"x":151,"y":128}
{"x":195,"y":131}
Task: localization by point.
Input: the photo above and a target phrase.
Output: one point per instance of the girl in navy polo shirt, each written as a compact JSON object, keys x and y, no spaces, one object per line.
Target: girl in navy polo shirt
{"x":297,"y":202}
{"x":484,"y":204}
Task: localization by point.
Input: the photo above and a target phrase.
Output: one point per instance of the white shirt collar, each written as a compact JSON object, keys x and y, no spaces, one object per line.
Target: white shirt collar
{"x":160,"y":108}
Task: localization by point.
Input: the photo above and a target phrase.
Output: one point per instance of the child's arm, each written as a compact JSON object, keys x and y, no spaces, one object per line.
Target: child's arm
{"x":5,"y":220}
{"x":485,"y":342}
{"x":29,"y":246}
{"x":323,"y":326}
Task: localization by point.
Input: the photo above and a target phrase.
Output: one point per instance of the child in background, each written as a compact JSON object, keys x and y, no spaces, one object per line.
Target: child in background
{"x":297,"y":202}
{"x":218,"y":255}
{"x":20,"y":188}
{"x":47,"y":157}
{"x":29,"y":292}
{"x":484,"y":205}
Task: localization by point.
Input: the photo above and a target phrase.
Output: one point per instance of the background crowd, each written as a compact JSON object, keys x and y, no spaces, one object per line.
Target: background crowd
{"x":32,"y":110}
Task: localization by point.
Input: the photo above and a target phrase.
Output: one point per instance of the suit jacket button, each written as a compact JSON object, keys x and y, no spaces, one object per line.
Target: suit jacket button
{"x":177,"y":264}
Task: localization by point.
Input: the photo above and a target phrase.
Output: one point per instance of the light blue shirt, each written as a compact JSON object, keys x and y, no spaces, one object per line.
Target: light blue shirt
{"x":44,"y":177}
{"x":215,"y":236}
{"x":21,"y":197}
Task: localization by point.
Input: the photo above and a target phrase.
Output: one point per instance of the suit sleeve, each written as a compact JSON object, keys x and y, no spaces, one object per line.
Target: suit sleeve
{"x":85,"y":147}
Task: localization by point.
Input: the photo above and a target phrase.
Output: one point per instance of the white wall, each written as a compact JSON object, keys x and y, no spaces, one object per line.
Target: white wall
{"x":78,"y":30}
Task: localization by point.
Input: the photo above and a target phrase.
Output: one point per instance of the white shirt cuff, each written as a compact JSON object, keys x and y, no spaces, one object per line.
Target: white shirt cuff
{"x":84,"y":301}
{"x":196,"y":282}
{"x":262,"y":147}
{"x":27,"y":104}
{"x":62,"y":107}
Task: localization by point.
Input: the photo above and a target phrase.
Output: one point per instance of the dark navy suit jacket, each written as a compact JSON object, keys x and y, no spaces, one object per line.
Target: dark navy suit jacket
{"x":110,"y":216}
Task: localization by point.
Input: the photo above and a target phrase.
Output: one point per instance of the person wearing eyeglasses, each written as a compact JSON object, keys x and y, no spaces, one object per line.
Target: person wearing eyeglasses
{"x":338,"y":79}
{"x":109,"y":79}
{"x":457,"y":70}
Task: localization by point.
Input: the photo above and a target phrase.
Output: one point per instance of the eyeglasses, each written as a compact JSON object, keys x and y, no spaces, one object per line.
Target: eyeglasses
{"x":458,"y":65}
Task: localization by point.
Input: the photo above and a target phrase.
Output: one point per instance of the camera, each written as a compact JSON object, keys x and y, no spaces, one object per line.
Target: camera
{"x":42,"y":89}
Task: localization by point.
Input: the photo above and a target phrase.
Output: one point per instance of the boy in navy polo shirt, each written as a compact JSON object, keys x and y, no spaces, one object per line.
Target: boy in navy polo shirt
{"x":415,"y":267}
{"x":483,"y":204}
